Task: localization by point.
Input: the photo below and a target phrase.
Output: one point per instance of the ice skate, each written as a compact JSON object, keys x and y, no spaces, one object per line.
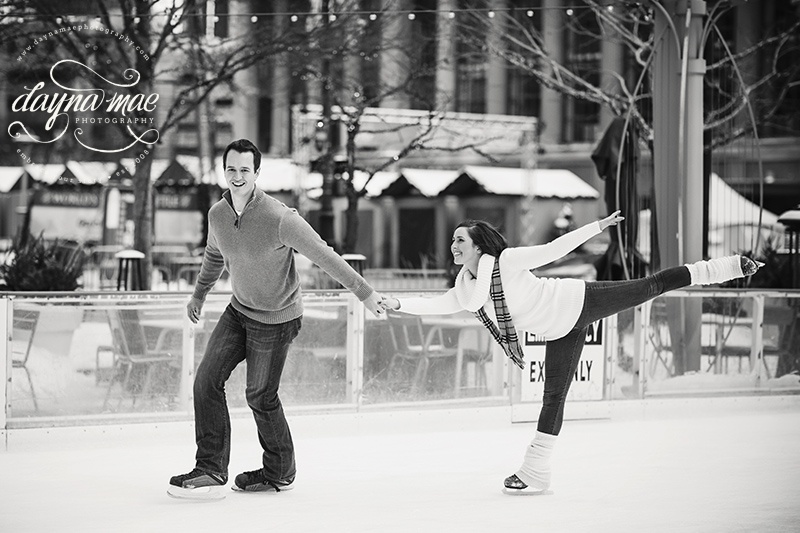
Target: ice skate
{"x":722,"y":269}
{"x":533,"y":477}
{"x":197,"y":485}
{"x":256,"y":481}
{"x":516,"y":487}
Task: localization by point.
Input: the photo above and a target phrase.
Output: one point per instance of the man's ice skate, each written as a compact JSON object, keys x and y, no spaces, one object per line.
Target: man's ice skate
{"x":197,"y":485}
{"x":256,"y":481}
{"x":516,"y":487}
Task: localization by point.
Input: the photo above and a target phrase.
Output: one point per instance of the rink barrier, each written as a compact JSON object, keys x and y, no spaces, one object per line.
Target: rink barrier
{"x":85,"y":366}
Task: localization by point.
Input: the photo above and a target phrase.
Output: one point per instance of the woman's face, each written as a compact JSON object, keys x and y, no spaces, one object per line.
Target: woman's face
{"x":464,"y":250}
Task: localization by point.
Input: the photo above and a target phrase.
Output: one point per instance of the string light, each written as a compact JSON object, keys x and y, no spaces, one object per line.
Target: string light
{"x":490,"y":12}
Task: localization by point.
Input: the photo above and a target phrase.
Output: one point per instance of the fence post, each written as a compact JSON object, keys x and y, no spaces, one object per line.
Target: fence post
{"x":757,"y":338}
{"x":187,"y":365}
{"x":611,"y":350}
{"x":6,"y":324}
{"x":639,"y":351}
{"x":355,"y":350}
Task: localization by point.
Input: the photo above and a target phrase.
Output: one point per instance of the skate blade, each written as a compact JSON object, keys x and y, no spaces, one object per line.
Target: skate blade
{"x":269,"y":489}
{"x":198,"y":494}
{"x":526,"y":492}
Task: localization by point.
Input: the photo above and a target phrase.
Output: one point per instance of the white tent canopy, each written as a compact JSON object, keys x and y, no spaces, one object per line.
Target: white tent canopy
{"x":726,"y":207}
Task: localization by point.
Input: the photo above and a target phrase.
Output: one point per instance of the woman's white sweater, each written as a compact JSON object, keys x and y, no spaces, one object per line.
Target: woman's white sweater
{"x":547,"y":307}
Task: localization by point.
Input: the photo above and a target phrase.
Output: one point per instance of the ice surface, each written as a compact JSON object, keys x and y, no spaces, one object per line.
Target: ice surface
{"x":419,"y":472}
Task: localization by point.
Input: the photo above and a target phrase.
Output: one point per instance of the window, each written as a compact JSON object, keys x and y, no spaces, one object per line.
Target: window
{"x":423,"y":55}
{"x":583,"y":58}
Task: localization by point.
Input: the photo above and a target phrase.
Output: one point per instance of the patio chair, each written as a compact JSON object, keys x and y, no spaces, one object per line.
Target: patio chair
{"x":24,"y":328}
{"x":475,"y":347}
{"x":786,"y":350}
{"x":141,"y":371}
{"x":659,"y":339}
{"x":411,"y":344}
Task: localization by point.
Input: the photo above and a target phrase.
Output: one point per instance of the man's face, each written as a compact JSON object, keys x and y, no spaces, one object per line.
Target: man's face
{"x":240,"y":173}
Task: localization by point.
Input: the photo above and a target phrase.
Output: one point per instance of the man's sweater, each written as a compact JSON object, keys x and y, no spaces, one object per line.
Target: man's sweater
{"x":257,"y":249}
{"x":547,"y":307}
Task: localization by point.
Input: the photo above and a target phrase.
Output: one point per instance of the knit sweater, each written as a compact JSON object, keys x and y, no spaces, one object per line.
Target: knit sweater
{"x":257,"y":249}
{"x":547,"y":307}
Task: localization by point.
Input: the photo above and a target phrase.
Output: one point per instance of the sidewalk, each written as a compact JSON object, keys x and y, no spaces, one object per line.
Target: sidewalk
{"x":424,"y":472}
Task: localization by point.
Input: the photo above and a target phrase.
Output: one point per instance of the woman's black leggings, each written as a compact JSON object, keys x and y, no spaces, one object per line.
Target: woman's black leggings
{"x":603,"y":299}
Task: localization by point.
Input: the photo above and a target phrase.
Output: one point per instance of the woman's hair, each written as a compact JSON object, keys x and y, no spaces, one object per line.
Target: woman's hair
{"x":485,"y":236}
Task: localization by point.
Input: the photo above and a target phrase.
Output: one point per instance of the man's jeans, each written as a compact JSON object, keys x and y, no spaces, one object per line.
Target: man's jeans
{"x":237,"y":338}
{"x":603,"y":299}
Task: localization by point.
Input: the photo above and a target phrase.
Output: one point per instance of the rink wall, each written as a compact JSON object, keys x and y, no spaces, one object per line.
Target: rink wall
{"x":99,"y":359}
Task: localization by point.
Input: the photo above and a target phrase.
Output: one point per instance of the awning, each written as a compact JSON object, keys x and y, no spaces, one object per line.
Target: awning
{"x":91,"y":172}
{"x":9,"y":176}
{"x":543,"y":183}
{"x":276,"y":175}
{"x":46,"y":173}
{"x":540,"y":183}
{"x":312,"y":183}
{"x":175,"y":175}
{"x":428,"y":182}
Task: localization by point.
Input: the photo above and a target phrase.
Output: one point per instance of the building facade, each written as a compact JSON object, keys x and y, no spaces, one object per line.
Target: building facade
{"x":455,"y":55}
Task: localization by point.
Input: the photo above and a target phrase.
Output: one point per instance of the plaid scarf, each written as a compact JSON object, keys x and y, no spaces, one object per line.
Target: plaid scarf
{"x":508,"y":339}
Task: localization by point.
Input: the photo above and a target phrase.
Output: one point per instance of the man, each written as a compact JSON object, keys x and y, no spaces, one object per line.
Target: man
{"x":253,"y":236}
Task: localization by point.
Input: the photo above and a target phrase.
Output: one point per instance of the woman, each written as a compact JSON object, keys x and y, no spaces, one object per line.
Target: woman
{"x":496,"y":283}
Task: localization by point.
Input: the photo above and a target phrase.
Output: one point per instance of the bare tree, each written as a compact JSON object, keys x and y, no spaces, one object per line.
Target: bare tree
{"x":632,"y":25}
{"x":351,"y":101}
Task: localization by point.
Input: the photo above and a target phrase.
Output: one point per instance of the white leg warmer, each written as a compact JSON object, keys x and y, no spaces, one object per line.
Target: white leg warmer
{"x":535,"y":470}
{"x":716,"y":270}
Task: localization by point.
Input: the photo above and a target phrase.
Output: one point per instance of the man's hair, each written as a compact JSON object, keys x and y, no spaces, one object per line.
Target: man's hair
{"x":242,"y":146}
{"x":485,"y":236}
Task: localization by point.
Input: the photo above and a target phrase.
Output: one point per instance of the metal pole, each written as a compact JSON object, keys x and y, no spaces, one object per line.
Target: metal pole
{"x":6,"y":324}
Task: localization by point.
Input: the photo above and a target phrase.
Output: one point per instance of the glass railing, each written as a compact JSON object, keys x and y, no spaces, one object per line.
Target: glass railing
{"x":75,"y":358}
{"x":104,"y":356}
{"x":708,"y":342}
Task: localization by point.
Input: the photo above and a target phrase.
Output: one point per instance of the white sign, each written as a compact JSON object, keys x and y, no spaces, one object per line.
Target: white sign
{"x":73,"y":223}
{"x":587,"y":382}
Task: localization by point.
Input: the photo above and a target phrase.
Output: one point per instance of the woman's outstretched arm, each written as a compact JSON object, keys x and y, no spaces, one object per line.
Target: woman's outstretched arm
{"x":445,"y":304}
{"x":530,"y":257}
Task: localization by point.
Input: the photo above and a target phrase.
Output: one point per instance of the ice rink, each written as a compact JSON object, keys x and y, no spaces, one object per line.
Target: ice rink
{"x":693,"y":466}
